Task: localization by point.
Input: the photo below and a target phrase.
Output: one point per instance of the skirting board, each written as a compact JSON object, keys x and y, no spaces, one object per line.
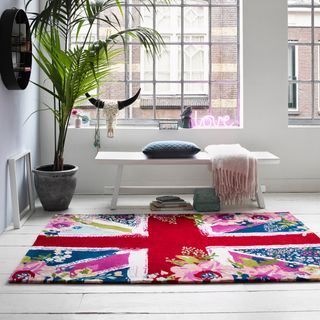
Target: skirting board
{"x":25,"y":214}
{"x":292,"y":185}
{"x":157,"y":189}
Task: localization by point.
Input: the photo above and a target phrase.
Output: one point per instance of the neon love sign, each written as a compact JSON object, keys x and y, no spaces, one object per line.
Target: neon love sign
{"x":212,"y":121}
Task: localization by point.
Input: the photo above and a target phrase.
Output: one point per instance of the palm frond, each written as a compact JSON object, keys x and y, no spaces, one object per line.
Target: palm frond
{"x":149,"y":38}
{"x":82,"y":68}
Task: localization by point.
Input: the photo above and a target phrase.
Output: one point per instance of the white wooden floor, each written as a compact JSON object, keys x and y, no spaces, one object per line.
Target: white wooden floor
{"x":291,"y":301}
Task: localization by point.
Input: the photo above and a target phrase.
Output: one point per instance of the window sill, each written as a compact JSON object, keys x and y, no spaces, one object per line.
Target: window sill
{"x":141,"y":127}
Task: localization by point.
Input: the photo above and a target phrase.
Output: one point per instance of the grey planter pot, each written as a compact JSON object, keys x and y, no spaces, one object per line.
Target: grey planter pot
{"x":55,"y":188}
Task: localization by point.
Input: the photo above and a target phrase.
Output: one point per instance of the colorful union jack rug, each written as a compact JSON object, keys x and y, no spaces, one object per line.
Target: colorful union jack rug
{"x":194,"y":248}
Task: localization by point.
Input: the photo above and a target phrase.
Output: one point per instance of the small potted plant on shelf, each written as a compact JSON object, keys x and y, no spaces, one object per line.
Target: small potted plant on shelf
{"x":74,"y":71}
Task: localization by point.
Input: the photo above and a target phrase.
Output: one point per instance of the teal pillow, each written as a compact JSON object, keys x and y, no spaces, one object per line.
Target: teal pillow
{"x":171,"y":149}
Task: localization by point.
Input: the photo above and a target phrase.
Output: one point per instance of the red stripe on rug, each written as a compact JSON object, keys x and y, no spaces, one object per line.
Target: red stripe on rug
{"x":145,"y":242}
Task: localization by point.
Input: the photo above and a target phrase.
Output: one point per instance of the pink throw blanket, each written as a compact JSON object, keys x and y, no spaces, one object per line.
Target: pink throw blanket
{"x":234,"y":172}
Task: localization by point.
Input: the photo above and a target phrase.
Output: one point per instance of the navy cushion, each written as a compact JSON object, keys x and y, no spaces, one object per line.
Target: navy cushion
{"x":170,"y":149}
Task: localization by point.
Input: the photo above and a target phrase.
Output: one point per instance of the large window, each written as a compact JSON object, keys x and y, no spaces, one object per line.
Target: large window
{"x":303,"y":61}
{"x":198,"y":67}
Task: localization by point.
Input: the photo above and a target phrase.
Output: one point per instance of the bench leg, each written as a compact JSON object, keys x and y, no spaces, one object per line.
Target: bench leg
{"x":116,"y":189}
{"x":259,"y":195}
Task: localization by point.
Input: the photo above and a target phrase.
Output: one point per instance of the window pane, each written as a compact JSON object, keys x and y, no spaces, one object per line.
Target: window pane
{"x":301,"y":62}
{"x":196,"y":2}
{"x":168,"y":100}
{"x":146,"y":68}
{"x":196,"y":24}
{"x":196,"y":62}
{"x":299,"y":22}
{"x":316,"y":114}
{"x":195,"y":37}
{"x":196,"y":96}
{"x":292,"y":97}
{"x":135,"y":54}
{"x":224,"y":24}
{"x":196,"y":88}
{"x":224,"y":2}
{"x":317,"y":25}
{"x":224,"y":62}
{"x":140,"y":16}
{"x":292,"y":62}
{"x":137,"y":110}
{"x":168,"y":88}
{"x":304,"y":102}
{"x":165,"y":2}
{"x":137,"y":3}
{"x":224,"y":95}
{"x":118,"y":65}
{"x":112,"y":90}
{"x":104,"y":29}
{"x":168,"y":22}
{"x":225,"y":100}
{"x":317,"y":62}
{"x":168,"y":65}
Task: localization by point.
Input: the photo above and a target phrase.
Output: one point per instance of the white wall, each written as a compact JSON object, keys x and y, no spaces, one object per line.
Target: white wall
{"x":16,"y":136}
{"x":265,"y":121}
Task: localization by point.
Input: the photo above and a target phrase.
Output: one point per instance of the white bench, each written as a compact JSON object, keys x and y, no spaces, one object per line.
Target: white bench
{"x":202,"y":158}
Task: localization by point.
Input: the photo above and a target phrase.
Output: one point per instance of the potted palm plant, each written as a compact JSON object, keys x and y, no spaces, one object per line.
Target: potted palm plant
{"x":74,"y":71}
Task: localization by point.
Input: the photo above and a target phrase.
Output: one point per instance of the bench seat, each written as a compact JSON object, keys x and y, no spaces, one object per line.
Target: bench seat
{"x":202,"y":158}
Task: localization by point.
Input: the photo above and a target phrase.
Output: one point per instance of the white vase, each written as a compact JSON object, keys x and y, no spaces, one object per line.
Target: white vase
{"x":77,"y":123}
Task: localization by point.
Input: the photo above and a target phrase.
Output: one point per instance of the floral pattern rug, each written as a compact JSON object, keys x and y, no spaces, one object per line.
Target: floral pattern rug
{"x":193,"y":248}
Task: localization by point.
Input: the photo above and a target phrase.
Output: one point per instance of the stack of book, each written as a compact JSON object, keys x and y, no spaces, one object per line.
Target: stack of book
{"x":170,"y":203}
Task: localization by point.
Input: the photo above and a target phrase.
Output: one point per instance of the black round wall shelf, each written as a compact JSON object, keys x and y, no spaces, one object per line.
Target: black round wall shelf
{"x":16,"y":49}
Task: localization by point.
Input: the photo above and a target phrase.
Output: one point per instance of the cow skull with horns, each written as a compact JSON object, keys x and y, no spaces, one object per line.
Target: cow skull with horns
{"x":111,"y":109}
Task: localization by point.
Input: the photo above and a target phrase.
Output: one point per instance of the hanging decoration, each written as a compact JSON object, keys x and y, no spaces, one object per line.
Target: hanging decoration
{"x":110,"y":109}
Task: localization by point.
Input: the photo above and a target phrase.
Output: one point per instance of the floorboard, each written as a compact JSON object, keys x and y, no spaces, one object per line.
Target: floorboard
{"x":165,"y":316}
{"x":294,"y":301}
{"x":204,"y":302}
